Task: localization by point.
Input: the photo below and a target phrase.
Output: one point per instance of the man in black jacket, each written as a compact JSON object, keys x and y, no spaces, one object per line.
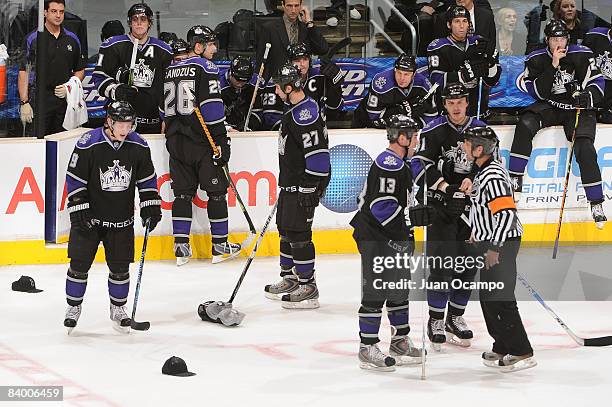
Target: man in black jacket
{"x":293,"y":27}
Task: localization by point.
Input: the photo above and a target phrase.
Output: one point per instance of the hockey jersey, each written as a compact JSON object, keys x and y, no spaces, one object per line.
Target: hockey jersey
{"x":105,"y":173}
{"x":384,"y":200}
{"x":303,"y":148}
{"x":152,"y":59}
{"x":270,"y":107}
{"x":553,"y":85}
{"x":441,"y":143}
{"x":445,"y":56}
{"x":189,"y":84}
{"x":237,"y":102}
{"x":385,"y":98}
{"x":599,"y":40}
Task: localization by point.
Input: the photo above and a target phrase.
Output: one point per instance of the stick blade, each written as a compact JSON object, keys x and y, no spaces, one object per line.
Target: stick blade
{"x":141,"y":326}
{"x":601,"y":341}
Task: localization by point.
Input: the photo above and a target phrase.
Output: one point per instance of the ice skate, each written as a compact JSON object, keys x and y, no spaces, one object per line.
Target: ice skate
{"x":372,"y":358}
{"x":287,"y":285}
{"x":435,"y":332}
{"x":491,"y":359}
{"x":517,"y":186}
{"x":404,"y":352}
{"x":72,"y":317}
{"x":305,"y":296}
{"x":120,"y":318}
{"x":599,"y":217}
{"x":512,"y":363}
{"x":225,"y":251}
{"x":457,"y":331}
{"x":182,"y":251}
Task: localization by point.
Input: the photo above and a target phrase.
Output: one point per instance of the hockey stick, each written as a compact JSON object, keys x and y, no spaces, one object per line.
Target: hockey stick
{"x":259,"y":79}
{"x":144,"y":325}
{"x":425,"y":265}
{"x":327,"y":59}
{"x":479,"y":98}
{"x":133,"y":60}
{"x":601,"y":341}
{"x":567,"y":176}
{"x":246,"y":243}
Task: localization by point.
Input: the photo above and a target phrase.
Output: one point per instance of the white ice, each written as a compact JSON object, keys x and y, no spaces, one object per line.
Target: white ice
{"x":276,"y":357}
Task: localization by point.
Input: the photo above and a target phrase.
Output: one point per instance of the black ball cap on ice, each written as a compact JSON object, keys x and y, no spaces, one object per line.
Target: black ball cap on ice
{"x":176,"y":366}
{"x":25,"y":284}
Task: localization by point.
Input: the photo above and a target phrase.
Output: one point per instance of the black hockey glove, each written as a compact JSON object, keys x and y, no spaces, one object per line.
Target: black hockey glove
{"x":477,"y":50}
{"x":308,"y":196}
{"x":455,"y":200}
{"x":80,"y":216}
{"x":125,"y":92}
{"x":413,"y":110}
{"x":466,"y":73}
{"x":150,"y":209}
{"x":480,"y":67}
{"x":420,"y":215}
{"x":225,"y":152}
{"x":331,"y":71}
{"x":123,"y":75}
{"x":379,"y":123}
{"x":446,"y":166}
{"x":583,"y":100}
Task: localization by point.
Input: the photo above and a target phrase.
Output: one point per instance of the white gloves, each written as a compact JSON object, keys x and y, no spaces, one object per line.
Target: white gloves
{"x":26,"y":113}
{"x":61,"y":91}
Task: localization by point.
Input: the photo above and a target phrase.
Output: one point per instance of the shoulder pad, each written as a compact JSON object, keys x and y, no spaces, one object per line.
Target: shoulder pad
{"x":578,"y":48}
{"x":209,"y":66}
{"x":437,"y":122}
{"x":114,"y":40}
{"x":383,"y":81}
{"x":136,"y":138}
{"x":422,"y":81}
{"x":305,"y":112}
{"x":389,"y":162}
{"x":161,"y":44}
{"x":472,"y":39}
{"x":90,"y":138}
{"x":600,"y":31}
{"x":223,"y":81}
{"x":477,"y":123}
{"x":541,"y":51}
{"x":437,"y":44}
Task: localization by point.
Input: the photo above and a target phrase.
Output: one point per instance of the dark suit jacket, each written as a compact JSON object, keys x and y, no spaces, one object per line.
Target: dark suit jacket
{"x":275,"y":33}
{"x":485,"y":26}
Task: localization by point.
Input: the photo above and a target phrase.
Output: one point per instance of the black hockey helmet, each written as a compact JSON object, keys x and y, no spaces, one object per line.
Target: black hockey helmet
{"x":457,"y":12}
{"x":140,"y":9}
{"x":400,"y":123}
{"x":454,"y":90}
{"x":200,"y":34}
{"x":121,"y":111}
{"x":405,"y":62}
{"x":299,"y":50}
{"x":482,"y":136}
{"x":241,"y":68}
{"x":556,"y":28}
{"x":110,"y":29}
{"x":168,"y":37}
{"x":179,"y":46}
{"x":288,"y":74}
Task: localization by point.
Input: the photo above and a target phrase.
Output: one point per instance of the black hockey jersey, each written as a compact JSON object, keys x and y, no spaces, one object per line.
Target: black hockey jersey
{"x":544,"y":82}
{"x":106,"y":173}
{"x":384,"y":199}
{"x":445,"y":56}
{"x":303,"y":147}
{"x":442,"y":141}
{"x":193,"y":83}
{"x":323,"y":90}
{"x":599,"y":40}
{"x":151,"y":60}
{"x":237,"y":102}
{"x":385,"y":98}
{"x":269,"y":108}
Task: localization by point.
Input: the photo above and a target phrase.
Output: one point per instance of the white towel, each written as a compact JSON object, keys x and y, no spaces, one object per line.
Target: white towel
{"x":76,"y":111}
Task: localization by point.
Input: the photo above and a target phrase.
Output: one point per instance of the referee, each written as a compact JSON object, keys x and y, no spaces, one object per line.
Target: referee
{"x":63,"y":59}
{"x":496,"y":231}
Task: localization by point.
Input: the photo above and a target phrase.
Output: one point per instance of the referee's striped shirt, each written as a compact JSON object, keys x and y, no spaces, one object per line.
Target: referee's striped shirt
{"x":493,"y":213}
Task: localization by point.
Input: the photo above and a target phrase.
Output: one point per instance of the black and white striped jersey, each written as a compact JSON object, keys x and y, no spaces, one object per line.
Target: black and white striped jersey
{"x":493,"y":213}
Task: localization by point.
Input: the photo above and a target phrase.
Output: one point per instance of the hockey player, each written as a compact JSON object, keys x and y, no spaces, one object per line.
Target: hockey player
{"x":304,"y":174}
{"x":323,"y":84}
{"x":189,"y":84}
{"x":465,"y":58}
{"x":599,"y":40}
{"x":106,"y":167}
{"x":141,"y":85}
{"x":442,"y":162}
{"x":237,"y":87}
{"x":496,"y":231}
{"x":399,"y":90}
{"x":383,"y":229}
{"x":550,"y":77}
{"x":268,"y":110}
{"x":180,"y":49}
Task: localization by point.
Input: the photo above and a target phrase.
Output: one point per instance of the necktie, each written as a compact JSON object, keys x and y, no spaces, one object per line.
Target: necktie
{"x":293,"y":33}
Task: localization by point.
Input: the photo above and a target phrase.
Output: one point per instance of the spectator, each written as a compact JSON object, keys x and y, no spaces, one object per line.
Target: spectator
{"x":565,"y":10}
{"x":294,"y":26}
{"x":64,"y":59}
{"x":109,"y":29}
{"x":507,"y":43}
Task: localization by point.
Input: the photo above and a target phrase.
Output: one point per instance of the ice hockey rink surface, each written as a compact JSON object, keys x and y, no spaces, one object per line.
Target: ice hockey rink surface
{"x":276,"y":357}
